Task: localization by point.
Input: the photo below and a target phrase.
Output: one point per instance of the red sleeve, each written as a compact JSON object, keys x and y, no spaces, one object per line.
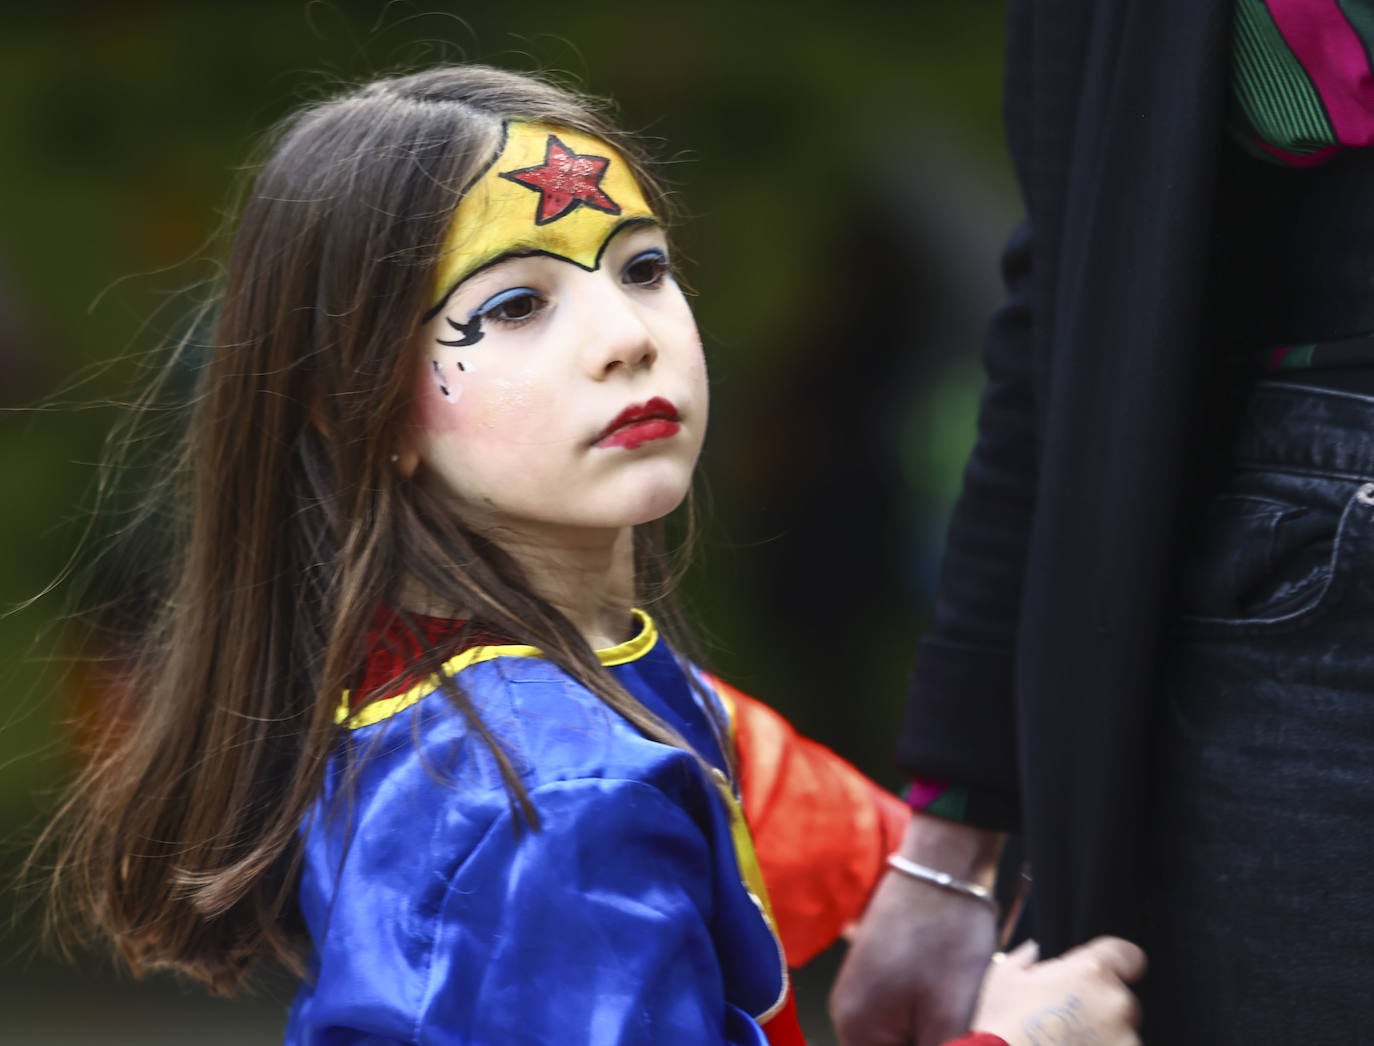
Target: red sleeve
{"x":822,"y":830}
{"x":978,"y":1038}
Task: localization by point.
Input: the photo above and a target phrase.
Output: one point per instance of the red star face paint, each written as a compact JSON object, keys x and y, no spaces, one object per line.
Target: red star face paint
{"x":565,"y":180}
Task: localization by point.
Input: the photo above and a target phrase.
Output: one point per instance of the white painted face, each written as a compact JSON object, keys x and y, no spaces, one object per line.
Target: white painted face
{"x":556,"y":400}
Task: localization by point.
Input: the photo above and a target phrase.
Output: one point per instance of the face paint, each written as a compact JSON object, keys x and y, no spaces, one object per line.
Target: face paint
{"x":548,"y":191}
{"x":441,"y":380}
{"x":469,"y":333}
{"x":564,"y":390}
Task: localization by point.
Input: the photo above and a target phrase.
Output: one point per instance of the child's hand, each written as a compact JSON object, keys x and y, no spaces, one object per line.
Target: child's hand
{"x":1078,"y":999}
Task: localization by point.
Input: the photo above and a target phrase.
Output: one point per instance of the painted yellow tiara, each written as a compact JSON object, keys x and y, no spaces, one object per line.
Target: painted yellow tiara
{"x":547,"y":190}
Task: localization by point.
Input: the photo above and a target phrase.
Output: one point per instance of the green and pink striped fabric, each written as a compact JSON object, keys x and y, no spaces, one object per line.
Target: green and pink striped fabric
{"x":1301,"y":76}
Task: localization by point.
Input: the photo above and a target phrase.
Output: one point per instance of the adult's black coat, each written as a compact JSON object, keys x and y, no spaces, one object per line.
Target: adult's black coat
{"x":1038,"y":679}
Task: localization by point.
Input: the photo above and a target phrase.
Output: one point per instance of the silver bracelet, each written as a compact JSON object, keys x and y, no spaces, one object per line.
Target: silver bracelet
{"x":941,"y":879}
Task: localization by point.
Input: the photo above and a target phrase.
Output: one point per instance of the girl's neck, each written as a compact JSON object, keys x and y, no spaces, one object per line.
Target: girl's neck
{"x":589,"y":578}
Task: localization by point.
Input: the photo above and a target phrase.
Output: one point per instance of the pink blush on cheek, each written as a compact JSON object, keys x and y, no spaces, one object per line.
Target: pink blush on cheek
{"x":515,"y":412}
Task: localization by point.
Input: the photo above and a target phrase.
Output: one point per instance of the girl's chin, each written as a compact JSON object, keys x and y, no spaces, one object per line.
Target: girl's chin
{"x":657,"y":505}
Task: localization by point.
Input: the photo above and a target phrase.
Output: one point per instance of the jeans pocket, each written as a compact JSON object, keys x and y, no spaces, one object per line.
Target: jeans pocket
{"x":1262,"y":562}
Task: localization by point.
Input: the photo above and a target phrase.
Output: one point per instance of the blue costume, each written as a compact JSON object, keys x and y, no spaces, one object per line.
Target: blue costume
{"x":625,"y":918}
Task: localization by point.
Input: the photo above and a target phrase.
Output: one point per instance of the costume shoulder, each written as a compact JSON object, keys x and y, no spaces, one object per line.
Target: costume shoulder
{"x":439,"y":915}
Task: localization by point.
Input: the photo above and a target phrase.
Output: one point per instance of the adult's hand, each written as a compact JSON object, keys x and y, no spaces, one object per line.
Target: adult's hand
{"x":917,"y":960}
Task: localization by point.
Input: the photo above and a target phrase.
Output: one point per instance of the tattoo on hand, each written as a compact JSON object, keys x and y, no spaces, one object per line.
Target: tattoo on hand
{"x":1060,"y":1026}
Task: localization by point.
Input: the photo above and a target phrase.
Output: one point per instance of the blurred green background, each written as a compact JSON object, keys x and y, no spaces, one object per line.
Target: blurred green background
{"x":847,"y":189}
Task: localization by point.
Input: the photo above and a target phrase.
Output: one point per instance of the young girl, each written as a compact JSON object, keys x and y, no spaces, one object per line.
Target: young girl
{"x":402,"y":724}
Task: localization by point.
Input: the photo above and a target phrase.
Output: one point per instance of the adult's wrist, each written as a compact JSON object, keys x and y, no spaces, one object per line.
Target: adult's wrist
{"x":935,"y":877}
{"x":961,"y":851}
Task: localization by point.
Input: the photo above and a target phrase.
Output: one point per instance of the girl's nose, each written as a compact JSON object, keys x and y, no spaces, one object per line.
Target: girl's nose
{"x":619,"y":336}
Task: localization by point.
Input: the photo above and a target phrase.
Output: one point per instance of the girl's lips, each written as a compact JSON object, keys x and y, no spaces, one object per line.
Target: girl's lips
{"x":637,"y":433}
{"x":638,"y":424}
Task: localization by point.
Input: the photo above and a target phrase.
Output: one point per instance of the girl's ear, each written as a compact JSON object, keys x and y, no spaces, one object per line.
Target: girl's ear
{"x":406,"y":459}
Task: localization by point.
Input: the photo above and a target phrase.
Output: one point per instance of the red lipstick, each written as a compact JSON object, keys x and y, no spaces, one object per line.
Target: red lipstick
{"x":638,"y":424}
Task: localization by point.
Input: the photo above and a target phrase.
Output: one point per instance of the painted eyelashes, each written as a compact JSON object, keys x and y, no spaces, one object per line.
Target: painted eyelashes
{"x":469,"y":333}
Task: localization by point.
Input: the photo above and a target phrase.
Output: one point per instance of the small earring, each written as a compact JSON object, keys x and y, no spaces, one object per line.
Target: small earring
{"x":395,"y":458}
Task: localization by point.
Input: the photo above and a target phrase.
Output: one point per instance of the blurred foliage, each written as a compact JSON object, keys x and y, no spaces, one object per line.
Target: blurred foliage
{"x":844,"y":178}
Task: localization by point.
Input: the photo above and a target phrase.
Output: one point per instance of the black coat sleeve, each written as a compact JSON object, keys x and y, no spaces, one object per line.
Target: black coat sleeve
{"x":960,"y":719}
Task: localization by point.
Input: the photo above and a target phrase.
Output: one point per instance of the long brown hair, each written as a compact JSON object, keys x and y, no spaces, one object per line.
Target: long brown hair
{"x":179,"y":840}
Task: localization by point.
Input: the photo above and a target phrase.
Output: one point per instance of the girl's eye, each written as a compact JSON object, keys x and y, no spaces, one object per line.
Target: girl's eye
{"x":510,"y":306}
{"x":647,"y":269}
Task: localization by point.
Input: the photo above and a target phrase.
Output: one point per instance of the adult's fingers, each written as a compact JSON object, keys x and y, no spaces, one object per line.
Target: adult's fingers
{"x":1116,"y":955}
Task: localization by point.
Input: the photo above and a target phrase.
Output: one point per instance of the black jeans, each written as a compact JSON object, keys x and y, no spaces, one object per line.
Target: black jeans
{"x":1262,"y":832}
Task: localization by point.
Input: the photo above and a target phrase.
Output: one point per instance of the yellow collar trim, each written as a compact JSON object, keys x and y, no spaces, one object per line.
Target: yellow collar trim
{"x":633,"y":648}
{"x":375,"y":711}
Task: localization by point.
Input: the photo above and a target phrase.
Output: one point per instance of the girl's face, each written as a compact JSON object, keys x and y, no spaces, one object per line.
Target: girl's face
{"x":550,"y":395}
